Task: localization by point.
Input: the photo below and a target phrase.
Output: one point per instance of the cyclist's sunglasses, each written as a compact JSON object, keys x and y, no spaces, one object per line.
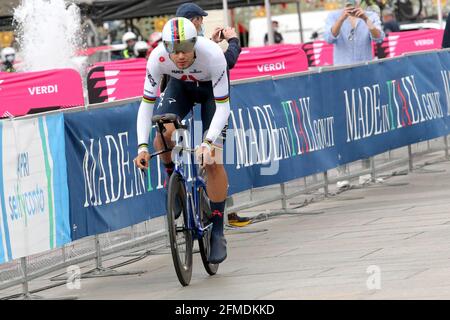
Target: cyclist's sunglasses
{"x":180,"y":46}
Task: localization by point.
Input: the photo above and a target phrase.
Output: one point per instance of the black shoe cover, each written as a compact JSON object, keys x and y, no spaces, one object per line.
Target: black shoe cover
{"x":218,"y":250}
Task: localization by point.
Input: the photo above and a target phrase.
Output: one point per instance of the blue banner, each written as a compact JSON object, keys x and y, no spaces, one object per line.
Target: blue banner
{"x":107,"y":192}
{"x":279,"y":130}
{"x":319,"y":121}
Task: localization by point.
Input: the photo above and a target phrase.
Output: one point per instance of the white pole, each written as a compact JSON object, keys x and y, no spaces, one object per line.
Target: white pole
{"x":269,"y":22}
{"x":439,"y":13}
{"x":300,"y":26}
{"x":225,"y":13}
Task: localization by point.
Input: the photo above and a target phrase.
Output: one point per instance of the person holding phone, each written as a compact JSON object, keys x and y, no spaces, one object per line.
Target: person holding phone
{"x":195,"y":13}
{"x":352,"y":31}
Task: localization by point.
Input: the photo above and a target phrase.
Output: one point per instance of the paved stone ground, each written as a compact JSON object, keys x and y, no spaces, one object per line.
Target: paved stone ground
{"x":400,"y":227}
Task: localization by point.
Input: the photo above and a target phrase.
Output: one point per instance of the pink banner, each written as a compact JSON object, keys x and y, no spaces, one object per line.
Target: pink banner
{"x":109,"y":81}
{"x":269,"y":60}
{"x":20,"y":93}
{"x":397,"y":43}
{"x":319,"y":53}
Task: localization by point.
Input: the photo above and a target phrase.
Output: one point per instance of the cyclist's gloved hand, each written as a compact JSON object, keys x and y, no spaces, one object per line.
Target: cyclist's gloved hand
{"x":142,"y":160}
{"x":205,"y":154}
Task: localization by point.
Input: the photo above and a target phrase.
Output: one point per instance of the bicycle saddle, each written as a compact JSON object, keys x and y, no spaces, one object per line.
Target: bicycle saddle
{"x":168,"y":118}
{"x":165,"y":118}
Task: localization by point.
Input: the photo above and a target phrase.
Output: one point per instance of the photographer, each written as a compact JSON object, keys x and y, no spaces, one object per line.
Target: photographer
{"x":352,"y":30}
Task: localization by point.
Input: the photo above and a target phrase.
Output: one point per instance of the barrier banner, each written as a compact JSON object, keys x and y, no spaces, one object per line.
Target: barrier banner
{"x":116,"y":80}
{"x":269,"y":61}
{"x":319,"y":53}
{"x":34,"y":201}
{"x":316,"y":122}
{"x":397,"y":43}
{"x":30,"y":92}
{"x":107,"y":191}
{"x":280,"y":130}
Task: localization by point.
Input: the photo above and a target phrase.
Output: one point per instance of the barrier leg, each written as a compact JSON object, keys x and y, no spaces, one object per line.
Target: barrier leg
{"x":284,"y":206}
{"x":101,"y":271}
{"x":373,"y":172}
{"x":283,"y":196}
{"x":325,"y":184}
{"x":63,"y":252}
{"x":446,"y":146}
{"x":410,"y":159}
{"x":365,"y":163}
{"x":166,"y":231}
{"x":26,"y":295}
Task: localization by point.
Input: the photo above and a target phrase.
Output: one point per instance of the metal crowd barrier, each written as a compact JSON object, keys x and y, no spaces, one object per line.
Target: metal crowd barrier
{"x":149,"y":236}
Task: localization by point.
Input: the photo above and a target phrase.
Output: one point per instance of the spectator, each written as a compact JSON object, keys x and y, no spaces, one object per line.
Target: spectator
{"x":390,"y":24}
{"x":129,"y":38}
{"x":277,"y":37}
{"x":352,"y":30}
{"x":194,"y":13}
{"x":8,"y":56}
{"x":446,"y":38}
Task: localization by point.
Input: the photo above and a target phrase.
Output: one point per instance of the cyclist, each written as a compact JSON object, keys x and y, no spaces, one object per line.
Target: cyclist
{"x":199,"y":75}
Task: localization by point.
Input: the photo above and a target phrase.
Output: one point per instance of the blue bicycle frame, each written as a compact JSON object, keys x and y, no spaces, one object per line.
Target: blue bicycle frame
{"x":192,"y":188}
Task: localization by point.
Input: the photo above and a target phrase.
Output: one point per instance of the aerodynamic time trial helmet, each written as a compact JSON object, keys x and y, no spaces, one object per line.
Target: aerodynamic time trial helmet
{"x":179,"y":35}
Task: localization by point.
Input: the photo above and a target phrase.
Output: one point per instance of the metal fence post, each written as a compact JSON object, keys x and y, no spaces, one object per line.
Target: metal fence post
{"x":166,"y":231}
{"x":373,"y":172}
{"x":26,"y":295}
{"x":101,"y":271}
{"x":98,"y":253}
{"x":283,"y":196}
{"x":325,"y":183}
{"x":410,"y":159}
{"x":63,"y":252}
{"x":23,"y":266}
{"x":446,"y":146}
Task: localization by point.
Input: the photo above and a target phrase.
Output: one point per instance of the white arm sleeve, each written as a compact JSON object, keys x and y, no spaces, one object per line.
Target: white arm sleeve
{"x":144,"y":117}
{"x":221,"y":95}
{"x":144,"y":124}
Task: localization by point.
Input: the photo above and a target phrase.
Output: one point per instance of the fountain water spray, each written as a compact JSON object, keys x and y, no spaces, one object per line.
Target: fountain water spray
{"x":48,"y":33}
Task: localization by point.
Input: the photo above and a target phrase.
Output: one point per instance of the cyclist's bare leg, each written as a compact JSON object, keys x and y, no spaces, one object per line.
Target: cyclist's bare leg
{"x":166,"y":158}
{"x":217,"y":183}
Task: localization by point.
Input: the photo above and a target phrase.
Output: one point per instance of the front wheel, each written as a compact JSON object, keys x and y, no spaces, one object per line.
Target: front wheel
{"x":180,"y":236}
{"x":205,"y":241}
